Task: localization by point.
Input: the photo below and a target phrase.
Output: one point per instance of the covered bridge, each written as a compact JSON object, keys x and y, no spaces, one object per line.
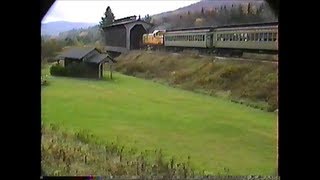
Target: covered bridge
{"x":90,"y":57}
{"x":125,"y":34}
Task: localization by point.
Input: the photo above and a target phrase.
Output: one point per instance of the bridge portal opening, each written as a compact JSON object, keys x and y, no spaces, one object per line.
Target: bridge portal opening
{"x":136,"y":34}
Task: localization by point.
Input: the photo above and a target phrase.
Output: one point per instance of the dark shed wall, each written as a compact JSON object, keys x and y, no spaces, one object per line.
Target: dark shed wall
{"x":68,"y":61}
{"x":115,"y":36}
{"x":93,"y":70}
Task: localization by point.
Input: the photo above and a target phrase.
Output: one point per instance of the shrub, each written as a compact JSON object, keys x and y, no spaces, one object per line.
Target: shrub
{"x":58,"y":70}
{"x":73,"y":70}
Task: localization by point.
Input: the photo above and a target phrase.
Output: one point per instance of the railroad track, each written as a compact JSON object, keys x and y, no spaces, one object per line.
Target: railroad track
{"x":221,"y":58}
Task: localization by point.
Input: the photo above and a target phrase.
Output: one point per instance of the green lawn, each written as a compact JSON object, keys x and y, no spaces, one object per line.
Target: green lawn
{"x":146,"y":115}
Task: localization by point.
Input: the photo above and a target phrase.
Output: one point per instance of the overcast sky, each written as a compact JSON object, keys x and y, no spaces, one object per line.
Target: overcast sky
{"x":92,"y":11}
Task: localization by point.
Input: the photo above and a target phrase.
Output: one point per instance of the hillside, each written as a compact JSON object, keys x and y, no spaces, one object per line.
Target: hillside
{"x":250,"y":83}
{"x":54,"y":28}
{"x":207,"y":5}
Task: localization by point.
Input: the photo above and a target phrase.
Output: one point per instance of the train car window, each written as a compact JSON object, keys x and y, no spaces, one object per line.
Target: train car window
{"x":249,"y":37}
{"x":274,"y":38}
{"x":241,"y":37}
{"x":269,"y":36}
{"x":252,"y":37}
{"x":265,"y":37}
{"x":260,"y":36}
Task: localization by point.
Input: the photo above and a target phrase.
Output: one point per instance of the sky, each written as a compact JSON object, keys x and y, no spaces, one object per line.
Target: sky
{"x":92,"y":11}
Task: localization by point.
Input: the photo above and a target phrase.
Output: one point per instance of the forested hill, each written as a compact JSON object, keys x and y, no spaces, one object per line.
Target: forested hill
{"x":54,"y":28}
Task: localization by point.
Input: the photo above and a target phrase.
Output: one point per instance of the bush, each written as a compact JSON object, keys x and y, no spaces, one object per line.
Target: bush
{"x":73,"y":70}
{"x":58,"y":70}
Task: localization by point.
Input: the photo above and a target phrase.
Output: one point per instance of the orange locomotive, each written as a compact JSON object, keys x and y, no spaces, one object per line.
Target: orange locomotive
{"x":153,"y":40}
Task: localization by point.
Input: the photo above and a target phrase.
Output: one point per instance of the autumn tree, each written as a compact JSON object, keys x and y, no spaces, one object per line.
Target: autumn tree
{"x":147,"y":18}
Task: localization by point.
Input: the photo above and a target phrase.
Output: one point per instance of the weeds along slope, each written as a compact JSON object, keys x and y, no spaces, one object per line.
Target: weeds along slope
{"x":80,"y":153}
{"x":252,"y":83}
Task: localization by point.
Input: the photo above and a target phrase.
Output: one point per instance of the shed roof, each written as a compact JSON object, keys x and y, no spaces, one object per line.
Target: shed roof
{"x":76,"y":52}
{"x":99,"y":58}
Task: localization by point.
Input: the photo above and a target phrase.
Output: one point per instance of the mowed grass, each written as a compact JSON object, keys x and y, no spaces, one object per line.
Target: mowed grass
{"x":215,"y":133}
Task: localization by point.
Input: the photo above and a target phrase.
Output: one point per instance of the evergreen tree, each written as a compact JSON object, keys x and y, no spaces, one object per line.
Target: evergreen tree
{"x":249,"y":8}
{"x":107,"y":19}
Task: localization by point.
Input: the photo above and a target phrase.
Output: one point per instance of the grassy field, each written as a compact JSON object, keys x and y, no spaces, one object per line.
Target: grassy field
{"x":216,"y":133}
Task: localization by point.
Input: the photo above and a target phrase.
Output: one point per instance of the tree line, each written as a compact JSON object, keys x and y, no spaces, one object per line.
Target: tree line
{"x":236,"y":14}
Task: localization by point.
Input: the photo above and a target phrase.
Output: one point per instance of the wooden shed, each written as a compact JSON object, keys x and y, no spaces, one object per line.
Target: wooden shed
{"x":90,"y":57}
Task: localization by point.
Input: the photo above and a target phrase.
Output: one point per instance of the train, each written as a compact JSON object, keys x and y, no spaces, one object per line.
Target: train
{"x":231,"y":40}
